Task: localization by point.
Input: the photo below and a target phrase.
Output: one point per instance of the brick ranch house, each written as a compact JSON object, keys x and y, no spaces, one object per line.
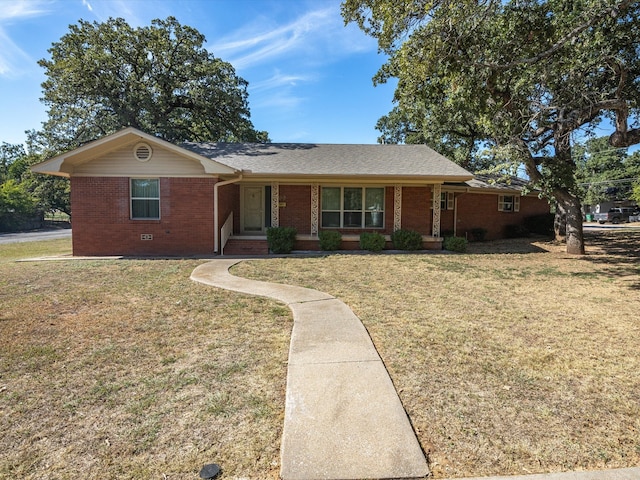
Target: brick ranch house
{"x":135,"y":194}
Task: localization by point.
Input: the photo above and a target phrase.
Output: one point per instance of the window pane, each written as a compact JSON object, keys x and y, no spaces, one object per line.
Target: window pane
{"x":352,"y":219}
{"x":145,"y":209}
{"x":145,"y":188}
{"x":330,"y":219}
{"x":353,"y":199}
{"x":331,"y":198}
{"x":373,"y":219}
{"x":374,"y":199}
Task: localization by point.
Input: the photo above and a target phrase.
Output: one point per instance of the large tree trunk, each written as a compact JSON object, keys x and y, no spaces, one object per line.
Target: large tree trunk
{"x":570,"y":208}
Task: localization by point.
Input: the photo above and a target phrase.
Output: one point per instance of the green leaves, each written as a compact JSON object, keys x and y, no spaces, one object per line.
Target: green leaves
{"x":104,"y":76}
{"x":522,"y":74}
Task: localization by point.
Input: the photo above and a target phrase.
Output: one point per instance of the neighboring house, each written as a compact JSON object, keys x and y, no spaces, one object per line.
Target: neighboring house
{"x":135,"y":194}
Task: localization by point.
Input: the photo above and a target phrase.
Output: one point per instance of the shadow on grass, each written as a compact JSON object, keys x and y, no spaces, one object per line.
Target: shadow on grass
{"x":512,"y":245}
{"x":618,"y":252}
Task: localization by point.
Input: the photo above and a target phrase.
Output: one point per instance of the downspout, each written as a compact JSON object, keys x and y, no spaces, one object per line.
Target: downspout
{"x":216,"y":220}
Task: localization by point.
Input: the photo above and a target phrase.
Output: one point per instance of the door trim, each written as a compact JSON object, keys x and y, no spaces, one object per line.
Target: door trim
{"x":243,"y":206}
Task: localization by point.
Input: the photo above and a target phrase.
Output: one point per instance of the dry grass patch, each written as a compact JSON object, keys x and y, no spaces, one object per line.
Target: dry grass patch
{"x":129,"y":370}
{"x":506,"y":363}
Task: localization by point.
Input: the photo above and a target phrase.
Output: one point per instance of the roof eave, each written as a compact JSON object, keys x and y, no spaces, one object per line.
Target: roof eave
{"x":352,"y":177}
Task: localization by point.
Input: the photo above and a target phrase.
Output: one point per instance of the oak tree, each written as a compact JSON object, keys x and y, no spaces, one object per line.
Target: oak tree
{"x":523,"y":77}
{"x":102,"y":77}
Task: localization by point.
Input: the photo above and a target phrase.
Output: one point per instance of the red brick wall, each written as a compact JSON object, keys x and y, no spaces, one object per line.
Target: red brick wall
{"x":481,"y":211}
{"x":101,"y":223}
{"x":297,"y":212}
{"x":416,"y":209}
{"x":229,"y":202}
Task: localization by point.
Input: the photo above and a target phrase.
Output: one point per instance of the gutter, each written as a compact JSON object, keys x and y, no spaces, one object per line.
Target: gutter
{"x":216,"y":220}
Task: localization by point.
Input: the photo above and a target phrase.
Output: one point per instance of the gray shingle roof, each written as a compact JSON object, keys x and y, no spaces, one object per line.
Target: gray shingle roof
{"x":291,"y":159}
{"x":495,"y":182}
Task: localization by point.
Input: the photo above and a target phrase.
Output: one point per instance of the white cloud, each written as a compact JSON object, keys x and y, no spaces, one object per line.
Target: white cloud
{"x":12,"y":57}
{"x":17,"y":10}
{"x":279,"y":80}
{"x":131,"y":11}
{"x":301,"y":48}
{"x":317,"y":37}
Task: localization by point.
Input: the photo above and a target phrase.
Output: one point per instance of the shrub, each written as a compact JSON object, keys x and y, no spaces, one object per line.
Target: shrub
{"x":478,"y":234}
{"x":516,"y":231}
{"x":330,"y":240}
{"x":17,"y":205}
{"x":281,"y":239}
{"x":455,"y":244}
{"x":374,"y":242}
{"x":406,"y":240}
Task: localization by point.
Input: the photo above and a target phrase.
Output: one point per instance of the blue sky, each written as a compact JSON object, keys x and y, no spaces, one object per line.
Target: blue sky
{"x":309,"y":75}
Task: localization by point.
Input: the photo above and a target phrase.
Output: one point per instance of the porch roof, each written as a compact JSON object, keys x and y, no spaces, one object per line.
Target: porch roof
{"x":324,"y":160}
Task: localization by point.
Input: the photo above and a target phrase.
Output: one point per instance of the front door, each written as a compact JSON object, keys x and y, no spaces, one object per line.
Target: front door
{"x":253,"y":209}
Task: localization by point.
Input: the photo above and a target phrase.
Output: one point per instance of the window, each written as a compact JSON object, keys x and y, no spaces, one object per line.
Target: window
{"x":446,"y":201}
{"x":508,"y":203}
{"x":145,"y":199}
{"x":352,"y":207}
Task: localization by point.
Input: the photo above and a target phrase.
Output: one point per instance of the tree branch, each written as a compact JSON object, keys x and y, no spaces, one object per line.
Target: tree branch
{"x":611,"y":11}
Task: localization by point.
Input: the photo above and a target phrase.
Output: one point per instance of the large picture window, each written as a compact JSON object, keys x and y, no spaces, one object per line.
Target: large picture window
{"x":145,"y":198}
{"x":353,"y":207}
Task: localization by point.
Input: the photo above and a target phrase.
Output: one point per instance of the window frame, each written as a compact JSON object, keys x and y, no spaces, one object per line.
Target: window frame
{"x":447,"y":201}
{"x":363,"y":211}
{"x":146,"y":199}
{"x":503,"y":203}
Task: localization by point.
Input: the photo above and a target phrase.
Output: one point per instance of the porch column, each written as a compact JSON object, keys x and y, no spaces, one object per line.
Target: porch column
{"x":397,"y":207}
{"x":436,"y":210}
{"x":315,"y":196}
{"x":275,"y":204}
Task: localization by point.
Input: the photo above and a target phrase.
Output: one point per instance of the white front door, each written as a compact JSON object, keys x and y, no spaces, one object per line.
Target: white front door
{"x":253,"y":209}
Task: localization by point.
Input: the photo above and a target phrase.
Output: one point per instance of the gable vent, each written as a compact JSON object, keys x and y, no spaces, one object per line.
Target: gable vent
{"x":142,"y":152}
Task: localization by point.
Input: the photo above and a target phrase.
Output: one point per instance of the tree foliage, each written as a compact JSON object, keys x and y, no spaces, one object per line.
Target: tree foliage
{"x":102,"y":77}
{"x":523,"y":76}
{"x":25,"y":192}
{"x":605,"y":173}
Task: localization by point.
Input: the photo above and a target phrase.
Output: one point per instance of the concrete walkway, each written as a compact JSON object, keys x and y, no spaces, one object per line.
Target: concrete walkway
{"x":343,"y":417}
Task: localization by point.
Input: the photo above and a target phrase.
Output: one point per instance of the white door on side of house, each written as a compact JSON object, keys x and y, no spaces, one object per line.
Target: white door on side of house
{"x":253,"y":209}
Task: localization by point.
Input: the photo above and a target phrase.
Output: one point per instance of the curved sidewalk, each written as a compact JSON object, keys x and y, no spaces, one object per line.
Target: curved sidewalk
{"x":343,"y":418}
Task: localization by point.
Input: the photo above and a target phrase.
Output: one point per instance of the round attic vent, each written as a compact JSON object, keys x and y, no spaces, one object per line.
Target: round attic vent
{"x":142,"y":152}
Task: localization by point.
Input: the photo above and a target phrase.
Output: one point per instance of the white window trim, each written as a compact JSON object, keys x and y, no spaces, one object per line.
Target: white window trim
{"x":363,"y":211}
{"x":449,"y":199}
{"x":502,"y":203}
{"x":132,"y":198}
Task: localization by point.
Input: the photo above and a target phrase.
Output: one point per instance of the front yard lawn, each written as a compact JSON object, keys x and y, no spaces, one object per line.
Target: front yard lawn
{"x":507,"y":363}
